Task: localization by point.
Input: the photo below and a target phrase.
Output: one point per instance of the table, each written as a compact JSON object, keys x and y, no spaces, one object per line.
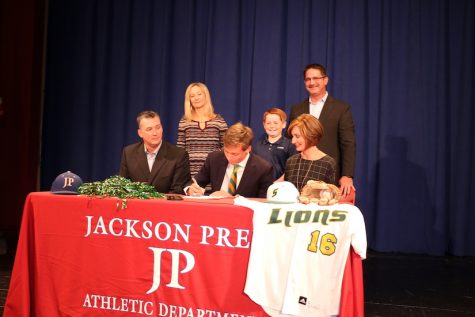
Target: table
{"x":84,"y":256}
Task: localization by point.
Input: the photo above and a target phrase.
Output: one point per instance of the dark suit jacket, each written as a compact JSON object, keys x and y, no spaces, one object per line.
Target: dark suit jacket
{"x":170,"y":171}
{"x":258,"y":175}
{"x":339,"y":133}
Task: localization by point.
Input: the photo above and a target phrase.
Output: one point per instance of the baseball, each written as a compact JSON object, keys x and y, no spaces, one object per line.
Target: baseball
{"x":326,"y":194}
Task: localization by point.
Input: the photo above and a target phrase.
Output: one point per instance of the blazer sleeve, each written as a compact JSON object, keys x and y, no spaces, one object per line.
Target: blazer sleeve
{"x":298,"y":109}
{"x":123,"y":170}
{"x":257,"y":177}
{"x":181,"y":176}
{"x":203,"y":177}
{"x":347,"y":143}
{"x":266,"y":180}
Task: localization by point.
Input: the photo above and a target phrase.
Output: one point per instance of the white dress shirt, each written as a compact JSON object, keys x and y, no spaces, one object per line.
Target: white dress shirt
{"x":151,"y":156}
{"x":316,"y":108}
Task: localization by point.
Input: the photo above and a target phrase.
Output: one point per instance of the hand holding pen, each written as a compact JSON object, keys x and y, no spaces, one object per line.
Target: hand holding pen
{"x":195,"y":189}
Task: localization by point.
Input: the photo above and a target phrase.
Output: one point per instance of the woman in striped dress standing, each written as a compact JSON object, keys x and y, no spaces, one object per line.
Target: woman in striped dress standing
{"x":200,"y":130}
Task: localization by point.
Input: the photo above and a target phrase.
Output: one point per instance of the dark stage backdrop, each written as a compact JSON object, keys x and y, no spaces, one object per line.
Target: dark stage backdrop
{"x":406,"y":67}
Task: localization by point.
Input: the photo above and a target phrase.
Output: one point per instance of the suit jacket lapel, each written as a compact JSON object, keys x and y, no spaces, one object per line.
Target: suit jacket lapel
{"x":159,"y":162}
{"x":247,"y":174}
{"x":326,"y":110}
{"x":306,"y":108}
{"x":221,"y":171}
{"x":142,"y":161}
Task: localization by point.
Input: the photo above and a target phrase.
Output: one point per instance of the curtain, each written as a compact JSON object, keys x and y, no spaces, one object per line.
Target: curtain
{"x":405,"y":66}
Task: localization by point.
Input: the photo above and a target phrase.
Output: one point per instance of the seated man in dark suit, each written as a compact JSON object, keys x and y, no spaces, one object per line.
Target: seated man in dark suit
{"x":154,"y":161}
{"x":234,"y":170}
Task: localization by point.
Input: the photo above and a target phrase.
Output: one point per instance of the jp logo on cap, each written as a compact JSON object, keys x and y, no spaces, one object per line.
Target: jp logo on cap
{"x":282,"y":193}
{"x":66,"y":183}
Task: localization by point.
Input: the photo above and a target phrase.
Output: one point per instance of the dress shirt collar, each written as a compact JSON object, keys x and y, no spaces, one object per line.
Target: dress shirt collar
{"x":324,"y":98}
{"x":279,"y":140}
{"x":154,"y":152}
{"x":243,"y":163}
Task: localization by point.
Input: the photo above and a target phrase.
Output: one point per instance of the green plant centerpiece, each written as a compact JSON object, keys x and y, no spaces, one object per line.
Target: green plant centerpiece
{"x":120,"y":187}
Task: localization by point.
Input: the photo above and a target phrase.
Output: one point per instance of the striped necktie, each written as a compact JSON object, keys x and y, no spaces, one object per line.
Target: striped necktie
{"x":233,"y":181}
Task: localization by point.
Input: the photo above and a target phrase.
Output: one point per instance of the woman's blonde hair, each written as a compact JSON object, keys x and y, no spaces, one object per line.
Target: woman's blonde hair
{"x":189,"y":107}
{"x":310,"y":127}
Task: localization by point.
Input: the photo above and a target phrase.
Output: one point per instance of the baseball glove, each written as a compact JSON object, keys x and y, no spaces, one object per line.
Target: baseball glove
{"x":319,"y":192}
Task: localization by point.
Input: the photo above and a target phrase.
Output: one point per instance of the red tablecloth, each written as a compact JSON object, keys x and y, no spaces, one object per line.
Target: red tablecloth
{"x":82,"y":256}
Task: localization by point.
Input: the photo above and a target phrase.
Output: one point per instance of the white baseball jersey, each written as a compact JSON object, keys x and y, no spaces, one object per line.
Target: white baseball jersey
{"x":298,"y":256}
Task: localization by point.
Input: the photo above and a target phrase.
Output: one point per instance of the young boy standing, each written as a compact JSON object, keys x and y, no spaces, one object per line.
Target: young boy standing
{"x":273,"y":145}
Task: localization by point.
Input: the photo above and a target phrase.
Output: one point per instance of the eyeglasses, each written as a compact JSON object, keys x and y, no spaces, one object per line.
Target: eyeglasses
{"x":314,"y":78}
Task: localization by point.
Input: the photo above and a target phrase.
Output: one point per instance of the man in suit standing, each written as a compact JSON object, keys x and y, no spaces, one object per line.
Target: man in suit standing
{"x":338,"y":139}
{"x":234,"y":170}
{"x":155,"y":161}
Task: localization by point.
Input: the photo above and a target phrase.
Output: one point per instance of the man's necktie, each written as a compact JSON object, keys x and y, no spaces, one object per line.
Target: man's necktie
{"x":233,"y":181}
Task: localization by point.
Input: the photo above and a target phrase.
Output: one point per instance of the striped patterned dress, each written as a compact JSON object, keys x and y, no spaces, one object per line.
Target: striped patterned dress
{"x":199,"y":142}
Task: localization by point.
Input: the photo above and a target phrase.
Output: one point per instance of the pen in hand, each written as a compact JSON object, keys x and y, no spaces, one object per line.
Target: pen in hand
{"x":197,"y":187}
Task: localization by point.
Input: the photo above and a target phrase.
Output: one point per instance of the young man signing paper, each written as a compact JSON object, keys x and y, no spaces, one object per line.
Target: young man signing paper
{"x":234,"y":170}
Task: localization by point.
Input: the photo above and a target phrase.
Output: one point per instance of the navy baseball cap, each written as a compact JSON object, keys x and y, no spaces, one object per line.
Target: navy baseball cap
{"x":66,"y":183}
